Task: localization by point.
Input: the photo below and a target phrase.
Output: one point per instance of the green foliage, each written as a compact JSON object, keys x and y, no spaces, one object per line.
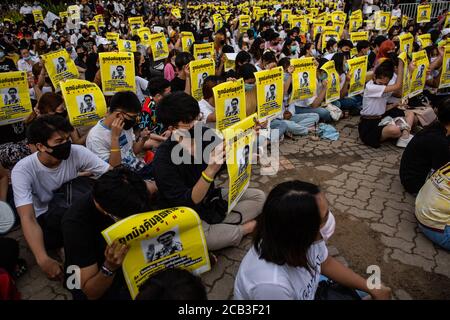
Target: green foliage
{"x":15,"y":16}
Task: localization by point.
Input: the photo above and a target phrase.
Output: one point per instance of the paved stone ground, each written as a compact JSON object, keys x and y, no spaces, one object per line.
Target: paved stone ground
{"x":375,"y":220}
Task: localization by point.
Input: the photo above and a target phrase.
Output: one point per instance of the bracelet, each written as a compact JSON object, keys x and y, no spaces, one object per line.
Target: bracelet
{"x":107,"y":272}
{"x":206,"y":178}
{"x":115,"y":150}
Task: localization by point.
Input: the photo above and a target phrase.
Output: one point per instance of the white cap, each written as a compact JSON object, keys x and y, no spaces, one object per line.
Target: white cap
{"x":445,"y":32}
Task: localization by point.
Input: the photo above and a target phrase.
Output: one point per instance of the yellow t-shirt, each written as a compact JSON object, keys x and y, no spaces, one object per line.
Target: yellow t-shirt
{"x":433,"y":200}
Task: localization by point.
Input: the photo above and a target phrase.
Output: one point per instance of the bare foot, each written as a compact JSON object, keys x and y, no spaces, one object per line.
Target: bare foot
{"x":248,"y":227}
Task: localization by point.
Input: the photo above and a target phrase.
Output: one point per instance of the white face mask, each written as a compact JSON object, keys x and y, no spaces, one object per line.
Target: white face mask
{"x":328,"y":229}
{"x":228,"y":34}
{"x":433,"y":59}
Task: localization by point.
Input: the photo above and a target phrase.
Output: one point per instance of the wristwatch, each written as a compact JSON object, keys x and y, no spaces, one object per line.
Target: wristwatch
{"x":107,"y":272}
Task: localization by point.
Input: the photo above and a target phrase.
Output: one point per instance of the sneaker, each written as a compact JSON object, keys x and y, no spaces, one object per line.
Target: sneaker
{"x":7,"y":218}
{"x":403,"y":142}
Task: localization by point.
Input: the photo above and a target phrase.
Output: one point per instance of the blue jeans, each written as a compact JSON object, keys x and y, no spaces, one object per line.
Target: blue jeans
{"x":360,"y":293}
{"x":352,"y":104}
{"x":298,"y":124}
{"x":440,"y":238}
{"x":323,"y":113}
{"x":280,"y":125}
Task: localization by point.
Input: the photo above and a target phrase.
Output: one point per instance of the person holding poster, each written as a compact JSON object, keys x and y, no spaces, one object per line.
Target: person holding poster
{"x":418,"y":76}
{"x":116,"y":195}
{"x":199,"y":70}
{"x":269,"y":92}
{"x":230,"y":105}
{"x":15,"y":103}
{"x":117,"y":72}
{"x":159,"y":47}
{"x":188,"y":179}
{"x":60,"y":67}
{"x":445,"y":73}
{"x":182,"y":82}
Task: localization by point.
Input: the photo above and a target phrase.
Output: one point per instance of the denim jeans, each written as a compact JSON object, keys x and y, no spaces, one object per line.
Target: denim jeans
{"x":298,"y":124}
{"x":352,"y":104}
{"x":360,"y":293}
{"x":281,"y":126}
{"x":440,"y":238}
{"x":323,"y":113}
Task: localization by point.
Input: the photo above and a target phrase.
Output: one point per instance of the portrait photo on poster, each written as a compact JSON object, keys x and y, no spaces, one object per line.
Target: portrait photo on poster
{"x":162,"y":246}
{"x":60,"y":64}
{"x":117,"y":72}
{"x":243,"y":157}
{"x":10,"y":96}
{"x":270,"y":91}
{"x":86,"y":103}
{"x":232,"y":107}
{"x":201,"y":79}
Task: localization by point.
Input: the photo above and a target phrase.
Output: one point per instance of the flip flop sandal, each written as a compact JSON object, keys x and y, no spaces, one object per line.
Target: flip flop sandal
{"x":22,"y":268}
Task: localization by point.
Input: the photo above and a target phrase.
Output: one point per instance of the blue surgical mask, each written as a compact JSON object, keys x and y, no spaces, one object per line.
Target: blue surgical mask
{"x":293,"y":49}
{"x":249,"y":86}
{"x":346,"y":67}
{"x":286,"y":76}
{"x":323,"y":76}
{"x":2,"y":54}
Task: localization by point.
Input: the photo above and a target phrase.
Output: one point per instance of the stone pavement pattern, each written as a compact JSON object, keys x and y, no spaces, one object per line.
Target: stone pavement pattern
{"x":374,"y":216}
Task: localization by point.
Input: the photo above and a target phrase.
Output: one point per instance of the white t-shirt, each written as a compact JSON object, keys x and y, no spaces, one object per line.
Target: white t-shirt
{"x":258,"y":279}
{"x":374,"y":98}
{"x":26,"y":10}
{"x":141,"y":85}
{"x":34,"y":183}
{"x":329,"y":56}
{"x":206,"y":109}
{"x":397,"y":12}
{"x":99,"y":142}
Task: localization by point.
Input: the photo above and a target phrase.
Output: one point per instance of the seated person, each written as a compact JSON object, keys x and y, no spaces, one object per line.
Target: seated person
{"x":432,"y":207}
{"x":289,"y":252}
{"x":207,"y":104}
{"x":182,"y":82}
{"x":313,"y":104}
{"x":112,"y":138}
{"x":375,"y":108}
{"x":39,"y":185}
{"x":185,"y":178}
{"x":428,"y":151}
{"x":117,"y":194}
{"x":172,"y":284}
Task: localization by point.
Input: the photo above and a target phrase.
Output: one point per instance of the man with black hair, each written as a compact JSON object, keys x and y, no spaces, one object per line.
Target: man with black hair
{"x":182,"y":81}
{"x":11,"y":97}
{"x":61,"y":65}
{"x":88,"y":104}
{"x":118,"y":74}
{"x":345,"y":46}
{"x":376,"y":46}
{"x":112,"y":138}
{"x":45,"y":184}
{"x":117,"y":194}
{"x":6,"y":64}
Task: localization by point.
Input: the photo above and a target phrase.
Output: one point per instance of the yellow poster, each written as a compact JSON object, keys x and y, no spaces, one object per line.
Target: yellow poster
{"x":357,"y":14}
{"x":382,"y":20}
{"x":244,"y":23}
{"x":117,"y":72}
{"x":160,"y":48}
{"x":419,"y":74}
{"x":318,"y":27}
{"x":269,"y":93}
{"x":218,"y":21}
{"x":74,"y":12}
{"x":355,"y":24}
{"x":113,"y":37}
{"x":355,"y":37}
{"x":239,"y":139}
{"x":370,"y":24}
{"x":314,"y":11}
{"x":358,"y":70}
{"x":424,"y":40}
{"x":100,"y":20}
{"x":338,"y":16}
{"x":393,"y":21}
{"x":15,"y":104}
{"x":63,"y":14}
{"x":296,"y":21}
{"x":85,"y":102}
{"x":126,"y":45}
{"x":199,"y":71}
{"x":92,"y":24}
{"x":445,"y":74}
{"x":204,"y":51}
{"x":230,"y":61}
{"x":339,"y":27}
{"x":135,"y":23}
{"x":447,"y":21}
{"x":158,"y":240}
{"x":328,"y":35}
{"x":187,"y":40}
{"x":285,"y":15}
{"x":303,"y":78}
{"x":230,"y":104}
{"x":176,"y":13}
{"x":406,"y":43}
{"x":37,"y":14}
{"x":334,"y":87}
{"x":406,"y":75}
{"x":405,"y":20}
{"x":60,"y":67}
{"x":423,"y":13}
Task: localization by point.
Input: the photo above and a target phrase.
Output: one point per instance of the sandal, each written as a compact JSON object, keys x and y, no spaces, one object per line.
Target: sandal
{"x":21,"y":268}
{"x":212,"y":259}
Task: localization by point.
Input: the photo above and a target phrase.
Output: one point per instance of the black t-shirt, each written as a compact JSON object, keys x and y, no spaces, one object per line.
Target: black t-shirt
{"x":371,"y":60}
{"x":84,"y":244}
{"x":14,"y":132}
{"x":177,"y":84}
{"x":7,"y":65}
{"x":429,"y":149}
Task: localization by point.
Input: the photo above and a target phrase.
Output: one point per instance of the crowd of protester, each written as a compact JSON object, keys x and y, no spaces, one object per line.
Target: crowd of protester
{"x":65,"y":185}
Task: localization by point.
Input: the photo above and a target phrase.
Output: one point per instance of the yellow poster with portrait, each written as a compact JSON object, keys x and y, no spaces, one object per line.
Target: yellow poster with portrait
{"x":217,"y":21}
{"x":393,"y":21}
{"x":85,"y":102}
{"x":328,"y":35}
{"x":406,"y":75}
{"x":445,"y":73}
{"x":199,"y":70}
{"x":339,"y":27}
{"x":135,"y":23}
{"x":424,"y":40}
{"x":357,"y":14}
{"x":338,"y":16}
{"x":92,"y":24}
{"x":358,"y":71}
{"x":244,"y":23}
{"x":204,"y":51}
{"x":37,"y":15}
{"x":286,"y":15}
{"x":405,"y":20}
{"x":144,"y":35}
{"x":159,"y":240}
{"x":15,"y":103}
{"x":117,"y":72}
{"x":230,"y":61}
{"x":74,"y":12}
{"x":60,"y":67}
{"x":160,"y":48}
{"x":296,"y":21}
{"x":100,"y":20}
{"x":419,"y":74}
{"x":406,"y":43}
{"x":239,"y":140}
{"x":230,"y":106}
{"x":63,"y":14}
{"x":355,"y":37}
{"x":447,"y":21}
{"x":126,"y":45}
{"x":319,"y":25}
{"x":113,"y":37}
{"x":269,"y":93}
{"x":334,"y":86}
{"x":314,"y":11}
{"x":423,"y":13}
{"x":355,"y":24}
{"x":176,"y":13}
{"x":187,"y":40}
{"x":382,"y":20}
{"x":303,"y":79}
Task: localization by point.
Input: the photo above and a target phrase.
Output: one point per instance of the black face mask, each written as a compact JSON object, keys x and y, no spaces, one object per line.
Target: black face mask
{"x":61,"y":151}
{"x":128,"y":124}
{"x":85,"y":35}
{"x":62,"y":114}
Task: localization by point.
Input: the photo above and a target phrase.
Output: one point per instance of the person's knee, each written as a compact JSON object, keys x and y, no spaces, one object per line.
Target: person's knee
{"x":392,"y":131}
